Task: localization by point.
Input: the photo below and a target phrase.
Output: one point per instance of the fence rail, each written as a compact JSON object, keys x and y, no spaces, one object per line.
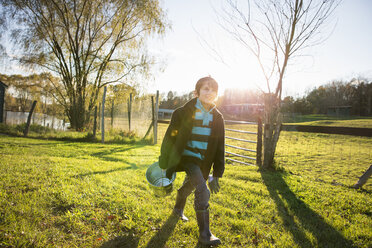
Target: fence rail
{"x":241,"y":122}
{"x":244,"y":140}
{"x":356,"y":131}
{"x":238,"y":155}
{"x":240,"y":131}
{"x":241,"y":148}
{"x":238,"y":161}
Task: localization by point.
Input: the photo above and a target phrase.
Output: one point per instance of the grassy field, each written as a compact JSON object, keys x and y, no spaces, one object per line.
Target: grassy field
{"x":325,"y":120}
{"x":60,"y":193}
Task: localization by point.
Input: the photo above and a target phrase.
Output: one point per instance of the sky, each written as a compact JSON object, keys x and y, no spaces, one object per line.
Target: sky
{"x":347,"y":53}
{"x":184,"y":52}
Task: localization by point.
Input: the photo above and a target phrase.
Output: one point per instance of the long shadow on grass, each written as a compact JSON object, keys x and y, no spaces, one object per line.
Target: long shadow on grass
{"x":131,"y":167}
{"x":160,"y":238}
{"x":128,"y":241}
{"x":115,"y":150}
{"x":107,"y":155}
{"x":290,"y":207}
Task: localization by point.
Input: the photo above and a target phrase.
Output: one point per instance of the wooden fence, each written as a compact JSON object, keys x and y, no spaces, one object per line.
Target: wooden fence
{"x":356,"y":131}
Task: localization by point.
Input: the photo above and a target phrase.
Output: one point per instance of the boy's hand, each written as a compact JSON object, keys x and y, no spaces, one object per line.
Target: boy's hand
{"x":169,"y":172}
{"x":213,"y":184}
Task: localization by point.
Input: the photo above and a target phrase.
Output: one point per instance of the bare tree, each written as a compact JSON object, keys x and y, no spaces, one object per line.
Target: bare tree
{"x":275,"y":31}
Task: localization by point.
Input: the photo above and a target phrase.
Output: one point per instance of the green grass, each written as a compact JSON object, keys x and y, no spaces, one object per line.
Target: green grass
{"x":59,"y":193}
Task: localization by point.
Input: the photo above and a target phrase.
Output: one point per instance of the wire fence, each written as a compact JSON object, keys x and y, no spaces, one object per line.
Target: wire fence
{"x":135,"y":115}
{"x":132,"y":114}
{"x":336,"y":147}
{"x":327,"y":155}
{"x":16,"y":118}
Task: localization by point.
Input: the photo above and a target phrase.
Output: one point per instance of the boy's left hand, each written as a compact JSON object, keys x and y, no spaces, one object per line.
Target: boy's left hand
{"x":169,"y":172}
{"x":213,"y":184}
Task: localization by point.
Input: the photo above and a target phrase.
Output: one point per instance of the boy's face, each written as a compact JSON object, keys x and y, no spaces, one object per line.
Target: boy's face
{"x":207,"y":94}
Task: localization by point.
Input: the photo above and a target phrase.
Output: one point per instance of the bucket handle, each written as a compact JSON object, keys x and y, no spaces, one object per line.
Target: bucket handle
{"x":163,"y":175}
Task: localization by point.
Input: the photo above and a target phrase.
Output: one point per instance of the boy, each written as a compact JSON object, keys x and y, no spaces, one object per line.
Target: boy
{"x":195,"y":139}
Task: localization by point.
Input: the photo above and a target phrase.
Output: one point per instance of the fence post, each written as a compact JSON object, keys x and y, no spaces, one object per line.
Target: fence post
{"x":112,"y":114}
{"x":103,"y":115}
{"x":99,"y":114}
{"x":156,"y":118}
{"x":25,"y":132}
{"x":95,"y":122}
{"x":363,"y":179}
{"x":153,"y":114}
{"x":259,"y":142}
{"x":130,"y":110}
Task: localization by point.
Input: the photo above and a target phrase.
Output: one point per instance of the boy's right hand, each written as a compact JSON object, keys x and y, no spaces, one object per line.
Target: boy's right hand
{"x":213,"y":184}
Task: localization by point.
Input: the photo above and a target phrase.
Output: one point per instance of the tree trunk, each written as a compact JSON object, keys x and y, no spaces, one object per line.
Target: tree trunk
{"x":95,"y":122}
{"x":112,"y":114}
{"x":27,"y":128}
{"x":79,"y":116}
{"x":273,"y":121}
{"x":103,"y":115}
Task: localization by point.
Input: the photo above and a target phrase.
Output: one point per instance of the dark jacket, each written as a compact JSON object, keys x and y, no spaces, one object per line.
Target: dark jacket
{"x":179,"y":132}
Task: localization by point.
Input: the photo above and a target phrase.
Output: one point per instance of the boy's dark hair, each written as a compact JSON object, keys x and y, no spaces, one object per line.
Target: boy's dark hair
{"x":211,"y":81}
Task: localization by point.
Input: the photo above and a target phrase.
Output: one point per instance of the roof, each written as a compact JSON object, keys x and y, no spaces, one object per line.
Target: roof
{"x":4,"y":85}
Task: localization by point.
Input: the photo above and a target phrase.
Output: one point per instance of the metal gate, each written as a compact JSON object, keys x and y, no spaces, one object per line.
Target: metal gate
{"x":255,"y":155}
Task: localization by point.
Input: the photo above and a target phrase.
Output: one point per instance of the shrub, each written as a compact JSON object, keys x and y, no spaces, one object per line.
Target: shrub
{"x":90,"y":137}
{"x":18,"y":129}
{"x":36,"y":128}
{"x":121,"y":133}
{"x":5,"y":128}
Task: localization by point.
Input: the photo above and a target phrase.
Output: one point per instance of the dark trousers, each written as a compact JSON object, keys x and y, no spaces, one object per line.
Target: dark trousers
{"x":194,"y":180}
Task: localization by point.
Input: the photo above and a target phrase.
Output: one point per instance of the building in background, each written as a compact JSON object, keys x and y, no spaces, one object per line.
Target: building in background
{"x":165,"y":113}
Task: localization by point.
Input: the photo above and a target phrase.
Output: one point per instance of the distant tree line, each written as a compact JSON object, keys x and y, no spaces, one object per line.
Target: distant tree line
{"x":356,"y":94}
{"x":173,"y":101}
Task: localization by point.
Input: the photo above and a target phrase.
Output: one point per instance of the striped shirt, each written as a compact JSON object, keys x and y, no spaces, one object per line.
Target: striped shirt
{"x":202,"y":120}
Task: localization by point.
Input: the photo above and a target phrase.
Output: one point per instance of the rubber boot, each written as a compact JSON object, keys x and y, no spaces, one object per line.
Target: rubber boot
{"x":205,"y":235}
{"x":179,"y":207}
